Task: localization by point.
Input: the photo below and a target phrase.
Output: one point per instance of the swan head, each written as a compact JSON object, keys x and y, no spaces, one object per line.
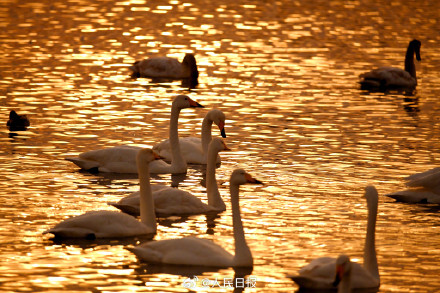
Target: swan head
{"x":343,"y":268}
{"x":146,"y":156}
{"x":218,"y":144}
{"x":240,"y":177}
{"x":416,"y":44}
{"x":219,"y":118}
{"x":183,"y":101}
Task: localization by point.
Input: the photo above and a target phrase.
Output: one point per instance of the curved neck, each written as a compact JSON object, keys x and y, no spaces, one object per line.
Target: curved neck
{"x":214,"y":198}
{"x":148,"y":215}
{"x":410,"y":67}
{"x":345,"y":285}
{"x":370,"y":258}
{"x":178,"y":164}
{"x":206,"y":134}
{"x":243,"y":255}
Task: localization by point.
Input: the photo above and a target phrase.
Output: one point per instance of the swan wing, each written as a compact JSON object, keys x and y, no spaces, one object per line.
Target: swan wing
{"x":161,"y":67}
{"x":428,"y":179}
{"x":184,"y":251}
{"x":191,"y":148}
{"x":389,"y":76}
{"x":173,"y":201}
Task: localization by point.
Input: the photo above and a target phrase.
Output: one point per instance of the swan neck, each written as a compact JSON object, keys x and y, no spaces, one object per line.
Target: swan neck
{"x":206,"y":134}
{"x":147,"y":213}
{"x":410,"y":67}
{"x":214,"y":198}
{"x":370,"y":258}
{"x":243,"y":255}
{"x":345,"y":285}
{"x":178,"y":164}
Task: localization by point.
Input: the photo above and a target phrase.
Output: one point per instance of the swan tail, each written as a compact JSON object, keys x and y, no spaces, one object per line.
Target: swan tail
{"x":311,"y":283}
{"x":128,"y":209}
{"x":87,"y":165}
{"x":146,"y":254}
{"x":62,"y":233}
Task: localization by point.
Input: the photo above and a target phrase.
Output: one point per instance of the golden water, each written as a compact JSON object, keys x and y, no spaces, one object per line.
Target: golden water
{"x":284,"y":72}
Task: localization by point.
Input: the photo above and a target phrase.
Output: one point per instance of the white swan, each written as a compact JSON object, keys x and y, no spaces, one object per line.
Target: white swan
{"x":167,"y":68}
{"x":122,"y":159}
{"x":343,"y":274}
{"x":424,"y":188}
{"x":112,"y":224}
{"x":173,"y":201}
{"x":194,"y":149}
{"x":202,"y":252}
{"x":319,"y":274}
{"x":391,"y":77}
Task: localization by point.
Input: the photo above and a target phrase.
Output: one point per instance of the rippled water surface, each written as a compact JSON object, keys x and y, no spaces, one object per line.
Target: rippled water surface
{"x":285,"y":74}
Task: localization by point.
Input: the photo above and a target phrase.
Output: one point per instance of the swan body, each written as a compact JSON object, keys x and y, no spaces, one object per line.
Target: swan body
{"x":17,"y":122}
{"x":167,"y":68}
{"x":112,"y":224}
{"x":391,"y":77}
{"x":122,"y":159}
{"x":424,"y":188}
{"x":195,"y":149}
{"x":201,"y":252}
{"x":320,"y":272}
{"x":173,"y":201}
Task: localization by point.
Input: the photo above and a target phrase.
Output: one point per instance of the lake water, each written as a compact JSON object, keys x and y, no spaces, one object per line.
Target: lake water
{"x":285,"y":74}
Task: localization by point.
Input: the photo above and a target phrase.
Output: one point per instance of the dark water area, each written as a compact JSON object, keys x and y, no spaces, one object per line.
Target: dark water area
{"x":285,"y":73}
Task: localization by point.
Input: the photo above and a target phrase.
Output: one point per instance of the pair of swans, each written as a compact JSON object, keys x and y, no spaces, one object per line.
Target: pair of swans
{"x":424,"y":188}
{"x":320,"y":273}
{"x":183,"y":251}
{"x":173,"y":201}
{"x":122,"y":159}
{"x":385,"y":78}
{"x":168,"y":68}
{"x":17,"y":122}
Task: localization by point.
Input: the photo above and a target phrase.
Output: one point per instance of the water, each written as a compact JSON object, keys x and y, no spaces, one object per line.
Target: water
{"x":284,"y":72}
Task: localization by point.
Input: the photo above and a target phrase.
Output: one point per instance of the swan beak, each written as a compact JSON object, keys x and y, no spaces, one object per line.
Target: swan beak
{"x":156,"y":156}
{"x":194,"y":104}
{"x":418,"y":55}
{"x":221,"y":126}
{"x":338,"y":277}
{"x":252,"y":180}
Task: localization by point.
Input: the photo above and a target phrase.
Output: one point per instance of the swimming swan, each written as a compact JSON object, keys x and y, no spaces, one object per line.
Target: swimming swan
{"x":320,"y":273}
{"x":122,"y":159}
{"x":112,"y":224}
{"x":167,"y":68}
{"x":203,"y":252}
{"x":424,"y":188}
{"x":194,"y":149}
{"x":391,"y":77}
{"x":173,"y":201}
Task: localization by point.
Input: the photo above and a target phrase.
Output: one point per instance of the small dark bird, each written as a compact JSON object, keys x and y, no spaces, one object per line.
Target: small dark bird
{"x":17,"y":122}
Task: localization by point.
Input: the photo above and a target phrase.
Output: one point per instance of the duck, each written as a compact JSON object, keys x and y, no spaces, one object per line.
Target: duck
{"x":114,"y":224}
{"x":386,"y":78}
{"x":320,"y":272}
{"x":162,"y":67}
{"x":173,"y":201}
{"x":122,"y":159}
{"x":423,"y":188}
{"x":195,"y":149}
{"x":17,"y":122}
{"x":195,"y":251}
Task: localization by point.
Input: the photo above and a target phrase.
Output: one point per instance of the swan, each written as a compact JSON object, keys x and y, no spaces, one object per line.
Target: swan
{"x":424,"y":188}
{"x":122,"y":159}
{"x":194,"y":149}
{"x":17,"y":122}
{"x":112,"y":224}
{"x":203,"y":252}
{"x":391,"y":77}
{"x":320,"y":272}
{"x":343,"y":274}
{"x":167,"y":68}
{"x":173,"y":201}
